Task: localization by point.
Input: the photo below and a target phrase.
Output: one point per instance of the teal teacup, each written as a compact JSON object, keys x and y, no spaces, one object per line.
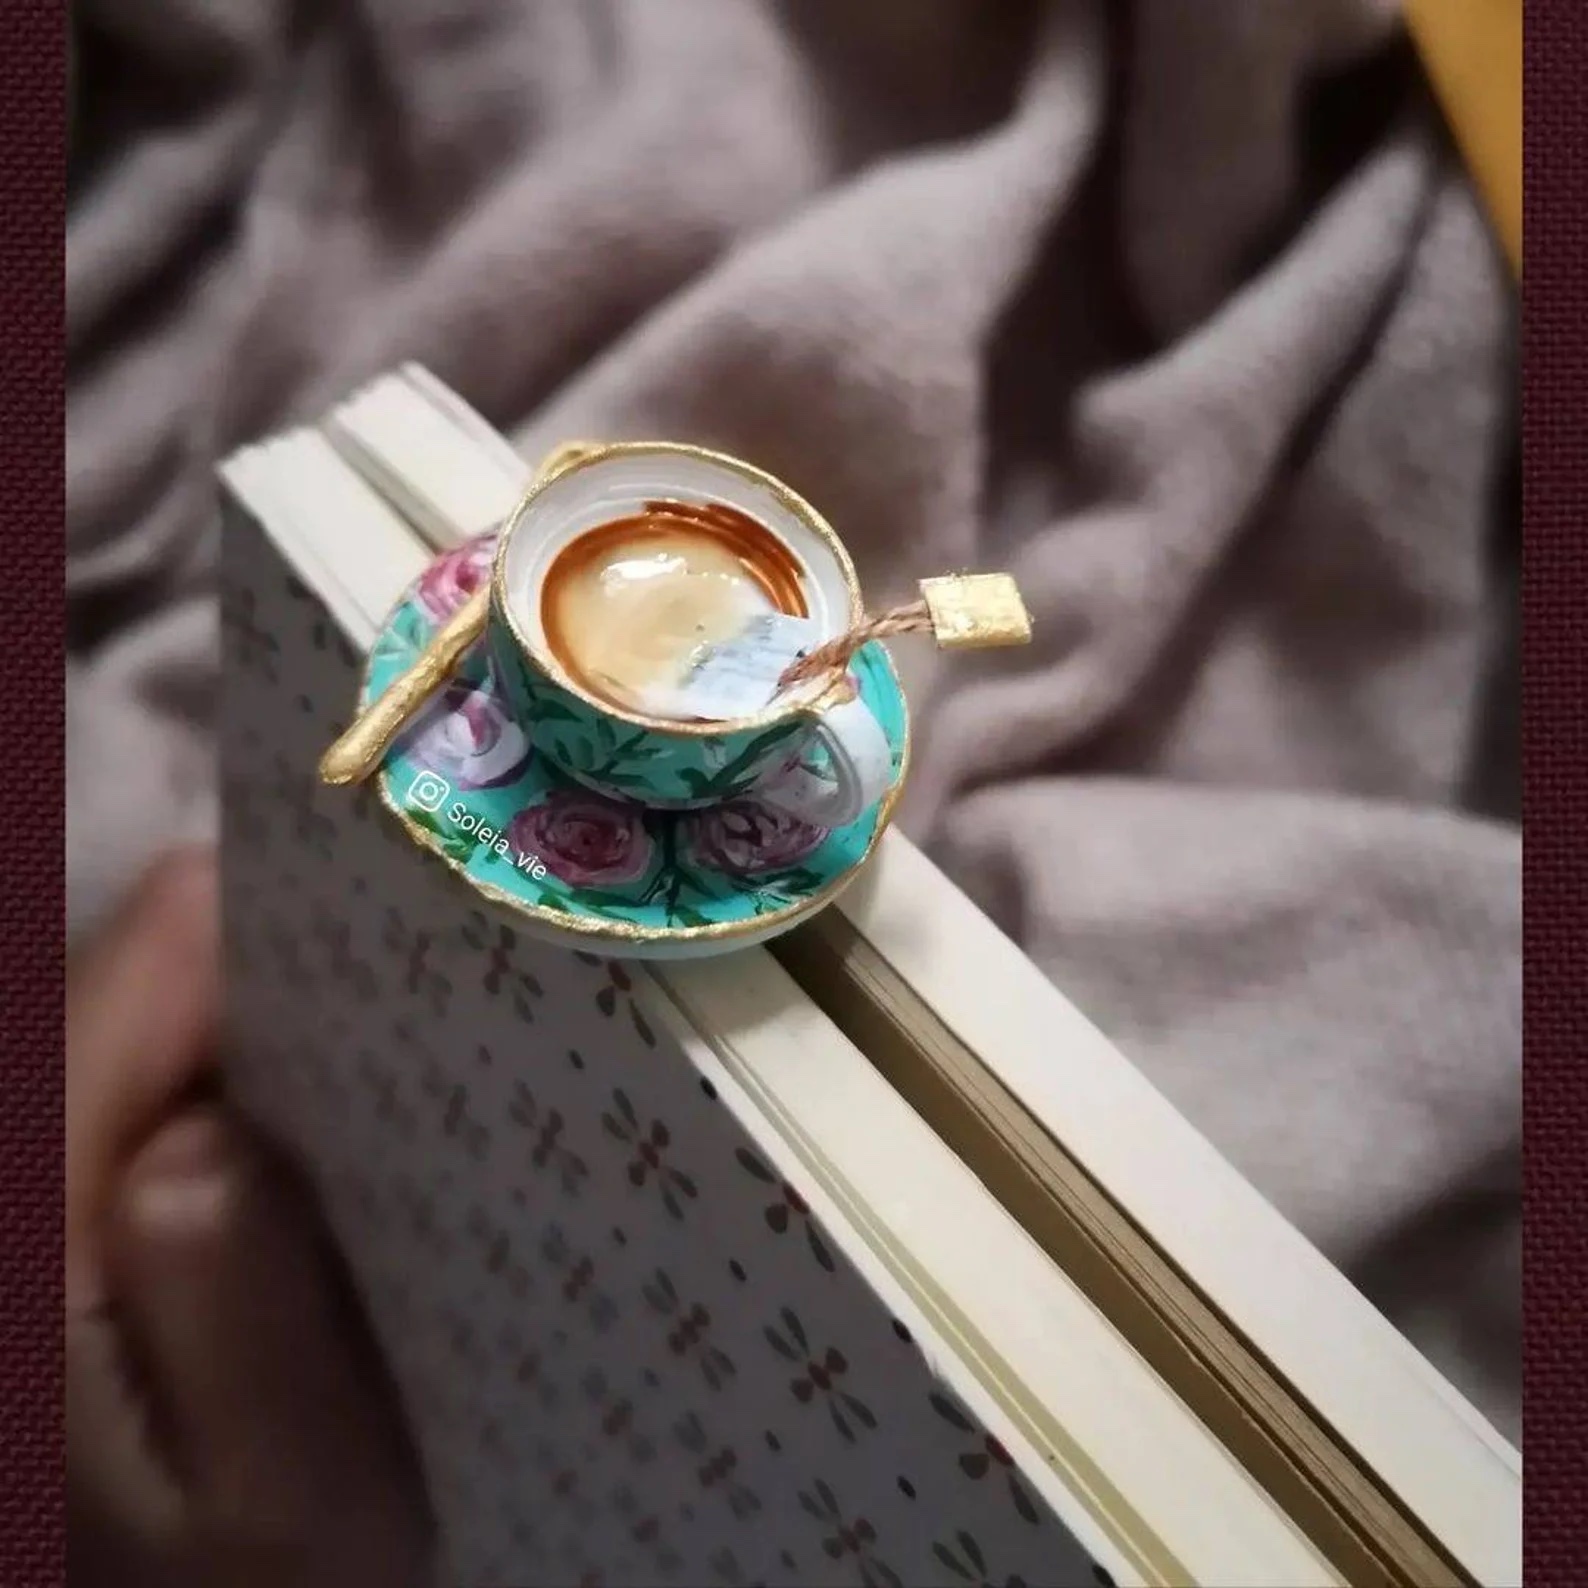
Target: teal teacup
{"x":817,"y":752}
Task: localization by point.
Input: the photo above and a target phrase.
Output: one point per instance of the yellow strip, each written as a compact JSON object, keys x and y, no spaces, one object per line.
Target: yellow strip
{"x":1472,"y":50}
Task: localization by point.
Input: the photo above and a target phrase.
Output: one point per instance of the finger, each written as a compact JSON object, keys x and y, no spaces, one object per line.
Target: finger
{"x":124,"y":1506}
{"x":281,"y":1426}
{"x":141,"y":1010}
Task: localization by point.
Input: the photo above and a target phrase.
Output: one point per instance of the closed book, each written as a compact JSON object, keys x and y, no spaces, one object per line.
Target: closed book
{"x":855,"y":1256}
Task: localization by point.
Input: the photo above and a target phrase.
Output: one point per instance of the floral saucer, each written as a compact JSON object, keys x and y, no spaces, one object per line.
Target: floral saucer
{"x":582,"y":869}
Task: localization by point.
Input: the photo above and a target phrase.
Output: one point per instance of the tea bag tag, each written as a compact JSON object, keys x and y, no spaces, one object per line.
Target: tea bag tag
{"x":962,"y":612}
{"x":738,"y":676}
{"x":976,"y":611}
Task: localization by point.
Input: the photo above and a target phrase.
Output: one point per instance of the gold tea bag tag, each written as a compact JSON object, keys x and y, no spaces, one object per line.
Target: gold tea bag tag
{"x":976,"y":611}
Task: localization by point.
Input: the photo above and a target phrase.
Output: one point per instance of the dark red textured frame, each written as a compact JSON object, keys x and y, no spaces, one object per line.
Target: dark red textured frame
{"x":1555,"y":755}
{"x":32,"y":917}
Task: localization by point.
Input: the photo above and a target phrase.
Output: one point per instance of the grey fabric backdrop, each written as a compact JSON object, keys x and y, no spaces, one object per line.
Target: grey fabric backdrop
{"x":1183,"y":312}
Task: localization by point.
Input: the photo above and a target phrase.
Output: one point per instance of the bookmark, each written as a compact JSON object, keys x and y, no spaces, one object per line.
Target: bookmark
{"x":740,"y":676}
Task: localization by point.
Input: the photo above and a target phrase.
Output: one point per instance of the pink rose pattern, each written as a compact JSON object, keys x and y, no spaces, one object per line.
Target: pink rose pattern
{"x":468,"y":737}
{"x":746,"y":838}
{"x":453,"y":577}
{"x":585,"y":839}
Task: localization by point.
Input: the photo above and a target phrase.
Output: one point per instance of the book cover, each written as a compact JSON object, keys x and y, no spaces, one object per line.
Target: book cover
{"x":632,"y":1349}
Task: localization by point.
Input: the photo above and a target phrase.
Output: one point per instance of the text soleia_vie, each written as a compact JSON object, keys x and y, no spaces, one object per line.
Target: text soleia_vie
{"x":460,"y":816}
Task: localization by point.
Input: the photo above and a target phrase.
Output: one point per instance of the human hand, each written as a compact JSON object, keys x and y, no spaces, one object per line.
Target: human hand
{"x":227,"y":1422}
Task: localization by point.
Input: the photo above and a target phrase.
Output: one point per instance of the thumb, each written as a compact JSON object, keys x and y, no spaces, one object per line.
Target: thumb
{"x":142,"y":1004}
{"x":280,"y":1421}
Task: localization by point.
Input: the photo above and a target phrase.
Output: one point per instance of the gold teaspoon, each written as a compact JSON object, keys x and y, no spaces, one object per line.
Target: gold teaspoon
{"x":360,"y":750}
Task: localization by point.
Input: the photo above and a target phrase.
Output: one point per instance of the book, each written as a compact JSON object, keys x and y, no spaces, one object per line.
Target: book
{"x":919,"y":1280}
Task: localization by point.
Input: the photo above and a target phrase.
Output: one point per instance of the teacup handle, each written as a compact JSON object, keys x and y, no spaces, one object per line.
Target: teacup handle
{"x":861,"y":768}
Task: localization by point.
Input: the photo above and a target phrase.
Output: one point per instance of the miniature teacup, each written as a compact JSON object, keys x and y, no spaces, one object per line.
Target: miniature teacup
{"x":816,"y":751}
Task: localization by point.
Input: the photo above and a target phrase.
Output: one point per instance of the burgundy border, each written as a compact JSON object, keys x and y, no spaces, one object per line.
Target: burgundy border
{"x":32,"y":914}
{"x":1555,"y":757}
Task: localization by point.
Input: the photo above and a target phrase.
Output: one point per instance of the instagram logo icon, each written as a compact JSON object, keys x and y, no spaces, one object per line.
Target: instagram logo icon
{"x":428,"y":791}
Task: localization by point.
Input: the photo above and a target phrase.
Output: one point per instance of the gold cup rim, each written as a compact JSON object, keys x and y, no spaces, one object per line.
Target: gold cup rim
{"x":588,"y":455}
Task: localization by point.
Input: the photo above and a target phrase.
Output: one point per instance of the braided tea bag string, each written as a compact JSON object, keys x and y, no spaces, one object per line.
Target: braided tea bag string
{"x":834,"y":655}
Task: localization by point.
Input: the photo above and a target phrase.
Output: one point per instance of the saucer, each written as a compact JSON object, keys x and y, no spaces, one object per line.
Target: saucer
{"x":582,"y":869}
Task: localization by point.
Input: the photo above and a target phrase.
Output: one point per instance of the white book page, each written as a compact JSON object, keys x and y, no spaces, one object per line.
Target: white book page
{"x":427,"y":452}
{"x":1383,"y":1397}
